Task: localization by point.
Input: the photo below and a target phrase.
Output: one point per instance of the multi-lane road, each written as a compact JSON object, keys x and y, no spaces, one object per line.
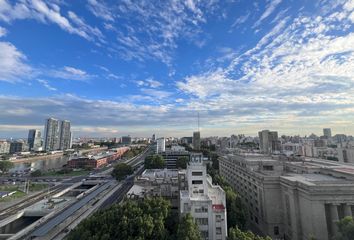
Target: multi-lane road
{"x":109,"y":192}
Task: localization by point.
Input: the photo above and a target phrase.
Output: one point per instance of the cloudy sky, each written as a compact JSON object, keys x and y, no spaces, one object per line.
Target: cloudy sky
{"x":120,"y":67}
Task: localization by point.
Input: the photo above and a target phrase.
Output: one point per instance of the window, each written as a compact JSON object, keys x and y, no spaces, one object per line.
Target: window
{"x":256,"y":219}
{"x":201,"y":221}
{"x":276,"y":230}
{"x":218,"y":230}
{"x":268,"y":168}
{"x":197,"y":182}
{"x":218,"y":218}
{"x":201,"y":210}
{"x":205,"y":234}
{"x":197,"y":173}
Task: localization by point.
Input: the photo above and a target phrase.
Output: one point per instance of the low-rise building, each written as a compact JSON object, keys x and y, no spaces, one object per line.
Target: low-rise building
{"x":291,"y":198}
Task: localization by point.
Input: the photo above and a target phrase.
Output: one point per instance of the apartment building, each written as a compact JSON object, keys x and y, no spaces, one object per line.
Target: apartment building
{"x":291,"y":198}
{"x":204,"y":201}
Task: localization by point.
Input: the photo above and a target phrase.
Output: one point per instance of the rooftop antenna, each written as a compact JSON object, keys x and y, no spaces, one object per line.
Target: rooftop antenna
{"x":198,"y":121}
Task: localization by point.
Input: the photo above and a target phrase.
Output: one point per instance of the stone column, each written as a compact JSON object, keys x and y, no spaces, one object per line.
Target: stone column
{"x":334,"y":218}
{"x":347,"y":210}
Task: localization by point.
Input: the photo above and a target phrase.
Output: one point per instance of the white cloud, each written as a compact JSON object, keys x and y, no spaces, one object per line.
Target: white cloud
{"x":46,"y":85}
{"x":48,"y":12}
{"x":150,"y":82}
{"x":13,"y":66}
{"x":70,"y":73}
{"x":101,"y":10}
{"x":268,"y":11}
{"x":3,"y":32}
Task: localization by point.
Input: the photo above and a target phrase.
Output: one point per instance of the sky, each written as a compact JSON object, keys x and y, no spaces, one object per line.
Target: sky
{"x":141,"y":67}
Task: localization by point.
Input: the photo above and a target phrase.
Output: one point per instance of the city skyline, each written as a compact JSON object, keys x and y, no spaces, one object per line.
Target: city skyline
{"x":138,"y":68}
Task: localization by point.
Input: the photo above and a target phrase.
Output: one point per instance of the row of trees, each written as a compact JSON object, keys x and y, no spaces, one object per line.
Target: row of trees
{"x":147,"y":219}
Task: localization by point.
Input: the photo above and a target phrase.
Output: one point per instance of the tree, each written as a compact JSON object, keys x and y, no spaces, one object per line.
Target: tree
{"x":188,"y":229}
{"x":154,"y":162}
{"x":5,"y":165}
{"x":236,"y":213}
{"x":121,"y":170}
{"x":237,"y":234}
{"x":345,"y":229}
{"x":36,"y":173}
{"x":182,"y":162}
{"x":129,"y":221}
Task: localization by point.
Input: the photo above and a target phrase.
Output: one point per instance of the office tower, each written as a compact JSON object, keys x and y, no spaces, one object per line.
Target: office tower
{"x":34,"y":139}
{"x":65,"y":135}
{"x":268,"y":141}
{"x":126,"y":140}
{"x":327,"y":132}
{"x":196,"y":140}
{"x":153,"y":137}
{"x":51,"y":134}
{"x":161,"y":145}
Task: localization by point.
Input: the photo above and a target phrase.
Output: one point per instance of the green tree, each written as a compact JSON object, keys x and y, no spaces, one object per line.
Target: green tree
{"x":182,"y":162}
{"x":128,"y":221}
{"x":236,"y":213}
{"x":154,"y":162}
{"x":36,"y":173}
{"x":345,"y":229}
{"x":188,"y":229}
{"x":6,"y":165}
{"x":237,"y":234}
{"x":121,"y":170}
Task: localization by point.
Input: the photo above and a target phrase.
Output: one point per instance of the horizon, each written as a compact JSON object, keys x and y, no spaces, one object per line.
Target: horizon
{"x":139,"y":68}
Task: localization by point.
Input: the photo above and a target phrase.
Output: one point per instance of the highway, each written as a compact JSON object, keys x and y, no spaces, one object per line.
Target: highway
{"x":108,"y":193}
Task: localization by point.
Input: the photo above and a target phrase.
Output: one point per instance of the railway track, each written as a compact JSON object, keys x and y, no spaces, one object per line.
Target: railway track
{"x":29,"y":201}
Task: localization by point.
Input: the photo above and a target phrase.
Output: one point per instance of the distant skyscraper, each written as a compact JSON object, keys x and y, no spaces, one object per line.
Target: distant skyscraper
{"x":126,"y":140}
{"x":34,"y":139}
{"x":65,"y":135}
{"x":153,"y":137}
{"x":196,"y":140}
{"x":327,"y":132}
{"x":161,"y":145}
{"x":18,"y":146}
{"x":268,"y":141}
{"x":51,"y":134}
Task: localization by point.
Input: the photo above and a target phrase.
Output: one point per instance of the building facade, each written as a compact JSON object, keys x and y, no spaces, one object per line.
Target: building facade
{"x":126,"y":140}
{"x":4,"y":147}
{"x":65,"y":135}
{"x":196,"y":140}
{"x":327,"y":133}
{"x":204,"y":201}
{"x":160,"y":145}
{"x":268,"y":141}
{"x":291,"y":198}
{"x":51,"y":134}
{"x":34,"y":139}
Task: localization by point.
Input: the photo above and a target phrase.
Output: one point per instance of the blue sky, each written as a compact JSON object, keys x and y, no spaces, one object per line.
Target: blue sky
{"x":143,"y":67}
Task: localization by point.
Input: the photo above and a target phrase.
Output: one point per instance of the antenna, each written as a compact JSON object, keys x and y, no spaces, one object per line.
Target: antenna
{"x":198,"y":121}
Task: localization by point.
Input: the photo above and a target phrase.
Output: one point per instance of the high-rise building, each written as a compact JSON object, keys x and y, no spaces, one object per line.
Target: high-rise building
{"x":34,"y":139}
{"x":327,"y":132}
{"x":126,"y":140}
{"x":51,"y":134}
{"x":65,"y":135}
{"x":160,"y":145}
{"x":268,"y":141}
{"x":196,"y":140}
{"x":153,"y":137}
